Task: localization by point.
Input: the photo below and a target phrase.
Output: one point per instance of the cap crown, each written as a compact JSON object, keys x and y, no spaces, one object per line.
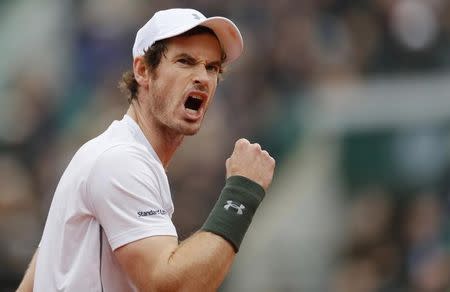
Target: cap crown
{"x":172,"y":22}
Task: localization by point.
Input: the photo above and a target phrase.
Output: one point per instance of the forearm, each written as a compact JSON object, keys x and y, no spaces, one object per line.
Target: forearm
{"x":200,"y":263}
{"x":28,"y":279}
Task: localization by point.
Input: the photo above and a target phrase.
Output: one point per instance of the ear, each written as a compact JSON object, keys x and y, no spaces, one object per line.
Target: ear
{"x":141,"y":72}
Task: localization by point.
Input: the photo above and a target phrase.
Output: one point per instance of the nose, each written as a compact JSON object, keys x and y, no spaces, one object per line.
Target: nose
{"x":201,"y":76}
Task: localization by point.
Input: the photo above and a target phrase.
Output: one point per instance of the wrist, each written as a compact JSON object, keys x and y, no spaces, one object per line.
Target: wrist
{"x":234,"y":210}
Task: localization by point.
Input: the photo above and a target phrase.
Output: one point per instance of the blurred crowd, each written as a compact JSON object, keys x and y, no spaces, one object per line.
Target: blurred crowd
{"x":290,"y":48}
{"x":395,"y":245}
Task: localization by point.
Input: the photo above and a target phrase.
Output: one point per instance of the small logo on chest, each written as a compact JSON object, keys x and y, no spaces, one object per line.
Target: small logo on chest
{"x":151,"y":213}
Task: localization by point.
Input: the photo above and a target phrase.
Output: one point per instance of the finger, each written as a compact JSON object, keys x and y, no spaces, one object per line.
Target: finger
{"x":257,"y":146}
{"x":241,"y":142}
{"x":273,"y":162}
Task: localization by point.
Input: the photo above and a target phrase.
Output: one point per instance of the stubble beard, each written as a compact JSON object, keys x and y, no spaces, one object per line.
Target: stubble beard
{"x":168,"y":125}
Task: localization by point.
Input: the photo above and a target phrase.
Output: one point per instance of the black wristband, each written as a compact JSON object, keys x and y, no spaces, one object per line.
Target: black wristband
{"x":234,"y":210}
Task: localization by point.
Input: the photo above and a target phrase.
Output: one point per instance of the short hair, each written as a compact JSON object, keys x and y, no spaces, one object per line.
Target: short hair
{"x":152,"y":58}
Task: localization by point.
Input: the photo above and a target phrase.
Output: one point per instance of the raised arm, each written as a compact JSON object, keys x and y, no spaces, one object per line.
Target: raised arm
{"x":201,"y":262}
{"x":28,"y":279}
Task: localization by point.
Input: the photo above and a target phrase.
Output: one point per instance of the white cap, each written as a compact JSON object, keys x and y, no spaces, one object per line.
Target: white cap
{"x":172,"y":22}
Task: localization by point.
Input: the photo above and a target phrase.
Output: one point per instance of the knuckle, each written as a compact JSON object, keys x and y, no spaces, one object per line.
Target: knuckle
{"x":256,"y":147}
{"x":242,"y":142}
{"x":273,"y":162}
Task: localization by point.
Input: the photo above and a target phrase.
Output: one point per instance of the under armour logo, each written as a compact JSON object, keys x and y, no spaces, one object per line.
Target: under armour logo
{"x":196,"y":16}
{"x":234,"y":205}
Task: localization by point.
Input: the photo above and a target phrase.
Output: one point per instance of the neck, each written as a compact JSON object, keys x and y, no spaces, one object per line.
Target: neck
{"x":163,"y":142}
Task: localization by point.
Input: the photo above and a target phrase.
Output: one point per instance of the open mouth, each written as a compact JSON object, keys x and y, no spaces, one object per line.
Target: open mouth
{"x":193,"y":103}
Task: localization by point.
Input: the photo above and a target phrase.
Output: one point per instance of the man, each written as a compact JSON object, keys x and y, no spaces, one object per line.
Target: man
{"x":109,"y":226}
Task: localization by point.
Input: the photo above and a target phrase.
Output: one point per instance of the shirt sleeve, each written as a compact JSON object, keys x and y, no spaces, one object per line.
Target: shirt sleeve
{"x":125,"y":196}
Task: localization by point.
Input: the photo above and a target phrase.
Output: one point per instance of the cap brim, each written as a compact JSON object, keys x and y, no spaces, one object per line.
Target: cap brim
{"x":226,"y":31}
{"x":228,"y":34}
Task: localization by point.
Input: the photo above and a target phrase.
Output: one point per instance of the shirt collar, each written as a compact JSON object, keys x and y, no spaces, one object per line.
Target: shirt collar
{"x":140,"y":137}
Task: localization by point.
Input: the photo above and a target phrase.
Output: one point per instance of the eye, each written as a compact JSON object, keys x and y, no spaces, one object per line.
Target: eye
{"x":183,"y":61}
{"x":213,"y":68}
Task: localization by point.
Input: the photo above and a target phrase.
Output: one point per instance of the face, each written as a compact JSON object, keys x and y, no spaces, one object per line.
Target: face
{"x":183,"y":85}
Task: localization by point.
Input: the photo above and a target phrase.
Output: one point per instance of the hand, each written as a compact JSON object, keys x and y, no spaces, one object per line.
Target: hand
{"x":251,"y":161}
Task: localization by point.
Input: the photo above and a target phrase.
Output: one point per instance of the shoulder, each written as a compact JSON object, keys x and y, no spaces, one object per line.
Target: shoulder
{"x":123,"y":171}
{"x":124,"y":164}
{"x":124,"y":155}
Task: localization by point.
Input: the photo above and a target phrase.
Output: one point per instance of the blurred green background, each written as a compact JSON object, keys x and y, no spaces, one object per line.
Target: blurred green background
{"x":351,"y":97}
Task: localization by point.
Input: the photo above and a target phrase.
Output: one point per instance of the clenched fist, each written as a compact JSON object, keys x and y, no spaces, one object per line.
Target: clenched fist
{"x":251,"y":161}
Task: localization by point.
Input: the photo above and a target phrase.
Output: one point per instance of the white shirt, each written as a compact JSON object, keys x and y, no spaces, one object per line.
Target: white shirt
{"x":113,"y":192}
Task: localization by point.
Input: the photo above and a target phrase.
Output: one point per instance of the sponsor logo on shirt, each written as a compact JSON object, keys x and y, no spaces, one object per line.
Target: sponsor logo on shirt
{"x":151,"y":213}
